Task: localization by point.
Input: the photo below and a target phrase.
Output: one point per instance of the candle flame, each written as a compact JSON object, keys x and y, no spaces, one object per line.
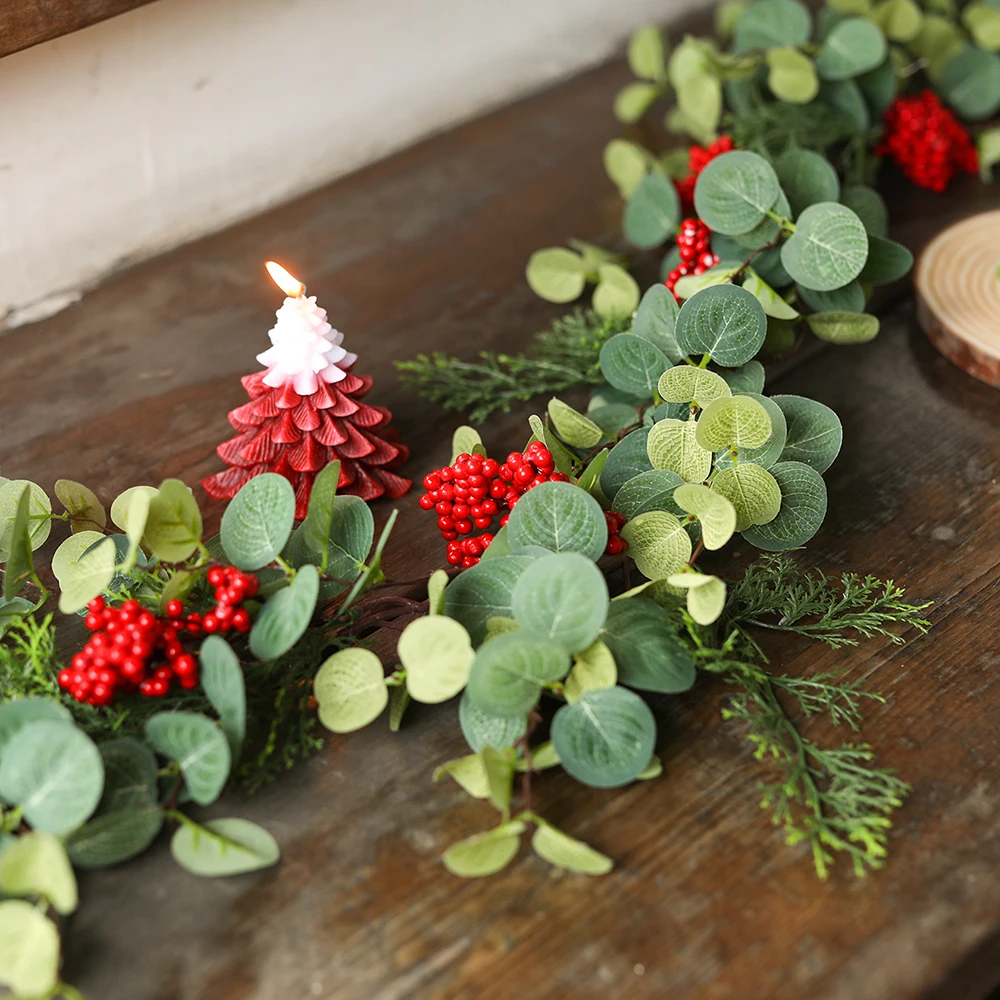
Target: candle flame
{"x":288,"y":283}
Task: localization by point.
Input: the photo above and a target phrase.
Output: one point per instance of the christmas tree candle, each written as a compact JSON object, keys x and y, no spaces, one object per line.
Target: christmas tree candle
{"x":306,"y":410}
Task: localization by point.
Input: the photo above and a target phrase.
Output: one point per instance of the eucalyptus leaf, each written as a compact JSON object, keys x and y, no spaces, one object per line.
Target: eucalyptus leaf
{"x":632,"y":364}
{"x":285,"y":616}
{"x":222,"y":680}
{"x":350,"y":688}
{"x":652,"y":490}
{"x":658,"y":543}
{"x":85,"y":509}
{"x":814,"y":433}
{"x":632,"y":102}
{"x":223,"y":847}
{"x":29,"y":950}
{"x":673,"y":444}
{"x":20,"y":567}
{"x":482,"y":729}
{"x":559,"y":517}
{"x":706,"y":595}
{"x":736,"y":189}
{"x":437,"y":655}
{"x":849,"y":298}
{"x":35,"y":864}
{"x":970,"y":83}
{"x":114,"y":837}
{"x":747,"y":378}
{"x":828,"y":248}
{"x":566,"y":852}
{"x":853,"y":46}
{"x":716,"y":514}
{"x":652,"y":212}
{"x":310,"y":541}
{"x":769,"y":23}
{"x":803,"y":508}
{"x":617,"y":294}
{"x":198,"y":745}
{"x":655,"y":320}
{"x":484,"y":591}
{"x":734,"y":420}
{"x":485,"y":853}
{"x":572,"y":427}
{"x":258,"y":521}
{"x":19,"y":712}
{"x":509,"y":671}
{"x":686,"y":383}
{"x":53,"y":771}
{"x":724,"y":321}
{"x":844,"y":327}
{"x":899,"y":19}
{"x":39,"y":506}
{"x":626,"y":163}
{"x":887,"y":261}
{"x":769,"y":452}
{"x":556,"y":274}
{"x":792,"y":75}
{"x":564,"y":597}
{"x":806,"y":177}
{"x":752,"y":490}
{"x":593,"y":669}
{"x":869,"y":207}
{"x":626,"y":459}
{"x":771,"y":302}
{"x":605,"y":739}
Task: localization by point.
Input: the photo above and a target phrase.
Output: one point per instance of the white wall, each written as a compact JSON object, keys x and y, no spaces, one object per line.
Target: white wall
{"x":181,"y":117}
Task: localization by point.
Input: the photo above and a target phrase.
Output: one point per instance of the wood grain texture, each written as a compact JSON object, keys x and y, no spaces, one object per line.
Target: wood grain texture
{"x":424,"y":251}
{"x":24,"y":23}
{"x":957,"y":286}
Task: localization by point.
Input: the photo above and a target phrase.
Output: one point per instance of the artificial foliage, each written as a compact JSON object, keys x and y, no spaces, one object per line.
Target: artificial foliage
{"x":583,"y":574}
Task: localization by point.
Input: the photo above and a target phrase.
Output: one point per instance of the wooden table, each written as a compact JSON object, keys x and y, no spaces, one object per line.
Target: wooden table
{"x":427,"y":250}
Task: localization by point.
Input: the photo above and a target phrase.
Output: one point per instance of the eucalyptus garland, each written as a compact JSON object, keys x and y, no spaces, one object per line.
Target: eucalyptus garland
{"x":593,"y":587}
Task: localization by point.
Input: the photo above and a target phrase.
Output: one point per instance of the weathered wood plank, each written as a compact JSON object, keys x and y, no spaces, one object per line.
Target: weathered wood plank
{"x":24,"y":23}
{"x":426,"y":251}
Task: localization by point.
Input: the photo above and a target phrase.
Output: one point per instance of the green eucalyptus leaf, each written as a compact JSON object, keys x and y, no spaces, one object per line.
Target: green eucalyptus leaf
{"x":589,"y":480}
{"x":853,"y":46}
{"x":735,"y":190}
{"x":652,"y":490}
{"x":849,"y":298}
{"x":806,"y":177}
{"x":769,"y":452}
{"x":469,"y":773}
{"x":35,"y":864}
{"x":706,"y":595}
{"x":222,"y":680}
{"x":437,"y":655}
{"x":673,"y":444}
{"x":53,"y":771}
{"x":311,"y":539}
{"x":792,"y":75}
{"x":200,"y":748}
{"x":983,"y":23}
{"x":803,"y":508}
{"x":699,"y":104}
{"x":436,"y":584}
{"x":879,"y":87}
{"x":716,"y":514}
{"x":509,"y":671}
{"x":563,"y":851}
{"x":847,"y":97}
{"x":724,"y":321}
{"x":483,"y":729}
{"x":29,"y":950}
{"x":223,"y":847}
{"x":572,"y":427}
{"x":499,"y":768}
{"x":19,"y":712}
{"x":350,"y":688}
{"x":114,"y":837}
{"x":841,"y":327}
{"x":814,"y":433}
{"x":738,"y":420}
{"x":593,"y":669}
{"x":626,"y":459}
{"x":285,"y":616}
{"x":81,"y":503}
{"x":869,"y":207}
{"x":655,"y":319}
{"x":626,"y":163}
{"x":606,"y":738}
{"x":633,"y":101}
{"x":617,"y":294}
{"x":632,"y":364}
{"x":564,"y":597}
{"x":484,"y":591}
{"x":485,"y":853}
{"x":752,"y":490}
{"x":828,"y":248}
{"x":559,"y":517}
{"x":970,"y":82}
{"x":769,"y":23}
{"x":39,"y":507}
{"x":173,"y":526}
{"x":899,"y":19}
{"x":686,"y":384}
{"x":20,"y":567}
{"x":658,"y":544}
{"x":887,"y":261}
{"x":746,"y":378}
{"x":556,"y":274}
{"x":771,"y":302}
{"x":652,"y":212}
{"x":258,"y":521}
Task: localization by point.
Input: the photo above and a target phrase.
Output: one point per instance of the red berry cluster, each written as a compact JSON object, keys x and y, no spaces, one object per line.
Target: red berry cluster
{"x":473,"y":490}
{"x":127,"y":639}
{"x":694,"y":242}
{"x":927,"y":141}
{"x":616,"y":544}
{"x":698,"y":158}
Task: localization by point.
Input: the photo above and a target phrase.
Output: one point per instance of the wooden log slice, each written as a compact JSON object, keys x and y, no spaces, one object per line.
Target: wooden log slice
{"x":958,"y":295}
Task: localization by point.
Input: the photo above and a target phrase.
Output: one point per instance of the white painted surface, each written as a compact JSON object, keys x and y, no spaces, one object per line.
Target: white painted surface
{"x":184,"y":116}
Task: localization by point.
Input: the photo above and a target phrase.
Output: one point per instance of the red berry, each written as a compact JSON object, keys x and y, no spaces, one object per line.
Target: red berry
{"x":463,"y":527}
{"x":432,"y":482}
{"x":185,"y":666}
{"x":175,"y":609}
{"x":93,"y":622}
{"x":241,"y":620}
{"x":469,"y":561}
{"x":216,"y":576}
{"x":96,"y":604}
{"x":210,"y":623}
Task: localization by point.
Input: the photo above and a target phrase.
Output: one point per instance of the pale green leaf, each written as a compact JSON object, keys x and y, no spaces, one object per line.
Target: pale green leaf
{"x":673,"y":444}
{"x":173,"y":526}
{"x":485,"y":853}
{"x":574,"y":428}
{"x":85,"y":510}
{"x":803,"y":508}
{"x":792,"y":75}
{"x":224,"y":847}
{"x":350,"y":688}
{"x":593,"y":669}
{"x":752,"y":490}
{"x":733,"y":420}
{"x":844,"y":327}
{"x":29,"y":950}
{"x":469,"y":773}
{"x":616,"y":294}
{"x":198,"y":745}
{"x":658,"y":543}
{"x":437,"y":655}
{"x":35,"y":864}
{"x":685,"y":383}
{"x":566,"y":852}
{"x":715,"y":513}
{"x":258,"y":521}
{"x":646,"y":53}
{"x":285,"y":617}
{"x":626,"y":163}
